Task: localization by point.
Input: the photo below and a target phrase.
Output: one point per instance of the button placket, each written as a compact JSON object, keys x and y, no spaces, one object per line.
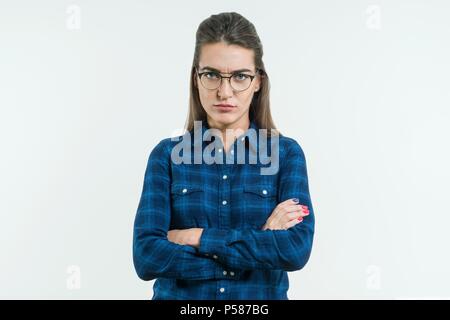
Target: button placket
{"x":224,"y":193}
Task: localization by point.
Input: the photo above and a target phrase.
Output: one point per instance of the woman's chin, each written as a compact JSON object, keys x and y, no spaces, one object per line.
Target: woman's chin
{"x":224,"y":119}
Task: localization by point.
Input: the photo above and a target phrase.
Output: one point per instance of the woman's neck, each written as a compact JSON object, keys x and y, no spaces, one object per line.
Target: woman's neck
{"x":234,"y":130}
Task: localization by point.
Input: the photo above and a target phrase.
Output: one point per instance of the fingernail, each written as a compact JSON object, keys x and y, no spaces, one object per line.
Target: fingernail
{"x":300,"y":219}
{"x":295,"y":200}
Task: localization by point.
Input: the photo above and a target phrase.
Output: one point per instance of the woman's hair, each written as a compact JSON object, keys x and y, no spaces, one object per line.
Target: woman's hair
{"x":233,"y":29}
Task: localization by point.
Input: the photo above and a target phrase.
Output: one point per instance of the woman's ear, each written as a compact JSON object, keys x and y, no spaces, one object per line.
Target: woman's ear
{"x":194,"y":77}
{"x":195,"y":80}
{"x":258,"y":83}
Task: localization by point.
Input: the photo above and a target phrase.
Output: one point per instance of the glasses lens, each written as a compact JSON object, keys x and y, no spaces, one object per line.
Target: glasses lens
{"x":210,"y":80}
{"x":240,"y":81}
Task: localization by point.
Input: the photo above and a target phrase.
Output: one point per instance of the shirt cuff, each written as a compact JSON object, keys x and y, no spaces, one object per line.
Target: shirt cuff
{"x":213,"y":241}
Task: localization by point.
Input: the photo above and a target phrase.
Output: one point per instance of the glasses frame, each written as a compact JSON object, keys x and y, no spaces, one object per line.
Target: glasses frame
{"x":200,"y":74}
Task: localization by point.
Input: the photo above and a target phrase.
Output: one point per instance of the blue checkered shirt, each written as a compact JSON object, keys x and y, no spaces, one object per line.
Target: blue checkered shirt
{"x":236,"y":259}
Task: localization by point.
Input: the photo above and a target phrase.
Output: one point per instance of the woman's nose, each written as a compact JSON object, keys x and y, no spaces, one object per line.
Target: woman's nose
{"x":225,"y":89}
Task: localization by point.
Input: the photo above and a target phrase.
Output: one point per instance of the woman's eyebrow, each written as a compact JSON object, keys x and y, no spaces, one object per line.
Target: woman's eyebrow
{"x":216,"y":70}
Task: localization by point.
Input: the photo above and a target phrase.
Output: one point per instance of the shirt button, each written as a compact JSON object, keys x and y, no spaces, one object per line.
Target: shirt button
{"x":224,"y":273}
{"x":231,"y":273}
{"x":224,"y":202}
{"x":184,"y":190}
{"x":224,"y":177}
{"x":232,"y":151}
{"x":222,"y":289}
{"x":264,"y":191}
{"x":242,"y":139}
{"x":220,"y":150}
{"x":215,"y":257}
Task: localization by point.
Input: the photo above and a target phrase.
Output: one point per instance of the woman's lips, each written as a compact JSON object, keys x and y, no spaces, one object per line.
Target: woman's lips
{"x":224,"y":107}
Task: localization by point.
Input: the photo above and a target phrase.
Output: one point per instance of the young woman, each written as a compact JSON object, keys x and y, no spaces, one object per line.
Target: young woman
{"x":213,"y":223}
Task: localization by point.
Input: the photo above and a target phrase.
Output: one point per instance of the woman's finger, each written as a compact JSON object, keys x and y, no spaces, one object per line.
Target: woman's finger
{"x":292,"y":223}
{"x":293,"y":208}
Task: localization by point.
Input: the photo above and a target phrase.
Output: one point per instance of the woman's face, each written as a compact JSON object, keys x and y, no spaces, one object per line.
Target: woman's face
{"x":227,"y":59}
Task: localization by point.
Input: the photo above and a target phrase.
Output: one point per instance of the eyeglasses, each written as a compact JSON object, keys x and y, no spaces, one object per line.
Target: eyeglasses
{"x":212,"y":80}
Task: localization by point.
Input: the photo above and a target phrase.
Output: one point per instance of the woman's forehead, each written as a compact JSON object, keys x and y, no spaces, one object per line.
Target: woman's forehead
{"x":226,"y":58}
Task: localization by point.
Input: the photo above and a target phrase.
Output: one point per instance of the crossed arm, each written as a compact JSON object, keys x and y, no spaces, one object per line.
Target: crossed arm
{"x":186,"y":254}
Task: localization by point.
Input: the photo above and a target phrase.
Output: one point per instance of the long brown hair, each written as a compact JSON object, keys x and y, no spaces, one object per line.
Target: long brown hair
{"x":233,"y":29}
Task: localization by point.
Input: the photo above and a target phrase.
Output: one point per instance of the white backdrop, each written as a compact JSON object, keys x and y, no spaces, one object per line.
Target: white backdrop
{"x":363,"y":86}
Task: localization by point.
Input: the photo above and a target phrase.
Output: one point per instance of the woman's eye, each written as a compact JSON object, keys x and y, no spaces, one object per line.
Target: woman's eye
{"x":240,"y":76}
{"x":211,"y":75}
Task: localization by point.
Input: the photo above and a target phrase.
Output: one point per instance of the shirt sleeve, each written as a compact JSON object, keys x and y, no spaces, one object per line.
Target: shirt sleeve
{"x":153,"y":254}
{"x":287,"y":250}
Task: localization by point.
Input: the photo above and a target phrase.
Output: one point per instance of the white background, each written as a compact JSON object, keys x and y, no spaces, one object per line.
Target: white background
{"x":87,"y":89}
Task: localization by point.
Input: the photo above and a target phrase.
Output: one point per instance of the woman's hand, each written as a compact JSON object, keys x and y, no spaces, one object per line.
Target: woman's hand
{"x":286,"y":215}
{"x":189,"y":237}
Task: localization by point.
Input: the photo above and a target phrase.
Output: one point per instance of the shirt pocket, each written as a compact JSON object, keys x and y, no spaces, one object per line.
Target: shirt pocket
{"x":263,"y":191}
{"x":187,"y":205}
{"x":184,"y":189}
{"x":259,"y":202}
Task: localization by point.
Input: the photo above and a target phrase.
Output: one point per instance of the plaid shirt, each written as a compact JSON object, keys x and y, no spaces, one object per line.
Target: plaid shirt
{"x":236,"y":259}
